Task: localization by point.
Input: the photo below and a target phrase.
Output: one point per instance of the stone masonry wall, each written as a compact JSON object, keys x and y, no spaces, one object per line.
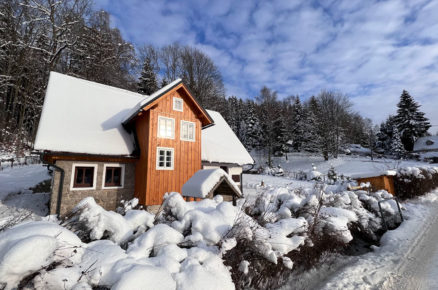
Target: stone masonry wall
{"x":107,"y":198}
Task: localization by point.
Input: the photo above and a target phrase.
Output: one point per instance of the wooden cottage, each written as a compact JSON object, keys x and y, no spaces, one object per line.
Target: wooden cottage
{"x":378,"y":180}
{"x":114,"y":144}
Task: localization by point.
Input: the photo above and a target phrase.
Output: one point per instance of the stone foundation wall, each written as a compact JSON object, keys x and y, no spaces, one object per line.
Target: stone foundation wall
{"x":107,"y":198}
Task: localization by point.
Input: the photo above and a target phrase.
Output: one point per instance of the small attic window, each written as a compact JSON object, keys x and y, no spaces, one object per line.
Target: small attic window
{"x":429,"y":142}
{"x":177,"y":104}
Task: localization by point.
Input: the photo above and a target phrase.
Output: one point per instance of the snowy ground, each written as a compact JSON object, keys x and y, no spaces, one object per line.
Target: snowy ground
{"x":344,"y":164}
{"x":16,"y":200}
{"x":406,"y":258}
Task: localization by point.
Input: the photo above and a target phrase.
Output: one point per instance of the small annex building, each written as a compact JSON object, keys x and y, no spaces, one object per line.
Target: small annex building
{"x":427,"y":148}
{"x":113,"y":144}
{"x":222,"y":149}
{"x":207,"y":183}
{"x":378,"y":180}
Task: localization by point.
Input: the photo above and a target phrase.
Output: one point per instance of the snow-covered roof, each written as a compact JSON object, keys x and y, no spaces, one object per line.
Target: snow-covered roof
{"x":373,"y":174}
{"x":204,"y":180}
{"x":220,"y":144}
{"x":426,"y":143}
{"x":80,"y":116}
{"x":148,"y":99}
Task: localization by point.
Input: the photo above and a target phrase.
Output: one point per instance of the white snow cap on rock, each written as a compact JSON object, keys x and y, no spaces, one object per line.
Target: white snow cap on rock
{"x":204,"y":180}
{"x":80,"y":116}
{"x":220,"y":144}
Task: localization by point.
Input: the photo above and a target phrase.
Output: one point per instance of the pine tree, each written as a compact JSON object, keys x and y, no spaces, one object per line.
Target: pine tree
{"x":147,"y":84}
{"x":397,"y":148}
{"x":280,"y":136}
{"x":253,"y":131}
{"x":298,"y":125}
{"x":411,"y":123}
{"x":164,"y":82}
{"x":384,"y":136}
{"x":311,"y":138}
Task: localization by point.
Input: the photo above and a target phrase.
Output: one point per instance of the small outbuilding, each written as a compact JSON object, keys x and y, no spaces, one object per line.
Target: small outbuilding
{"x":427,"y":148}
{"x":378,"y":180}
{"x":207,"y":183}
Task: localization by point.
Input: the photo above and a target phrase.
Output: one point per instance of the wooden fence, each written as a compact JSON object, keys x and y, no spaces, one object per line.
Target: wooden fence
{"x":19,"y":161}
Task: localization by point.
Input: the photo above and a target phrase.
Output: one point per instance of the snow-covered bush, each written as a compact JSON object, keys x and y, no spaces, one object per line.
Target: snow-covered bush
{"x":190,"y":245}
{"x":415,"y":181}
{"x":92,"y":222}
{"x":31,"y":247}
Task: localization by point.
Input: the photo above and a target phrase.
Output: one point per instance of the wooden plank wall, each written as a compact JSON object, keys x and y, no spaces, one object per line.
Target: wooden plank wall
{"x":380,"y":182}
{"x":187,"y":154}
{"x":142,"y":129}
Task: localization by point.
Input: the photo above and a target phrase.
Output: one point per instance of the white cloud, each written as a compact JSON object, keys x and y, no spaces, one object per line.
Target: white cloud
{"x":370,"y":50}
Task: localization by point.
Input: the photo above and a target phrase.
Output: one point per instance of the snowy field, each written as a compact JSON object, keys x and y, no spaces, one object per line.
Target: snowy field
{"x":347,"y":165}
{"x":187,"y":247}
{"x":16,"y":199}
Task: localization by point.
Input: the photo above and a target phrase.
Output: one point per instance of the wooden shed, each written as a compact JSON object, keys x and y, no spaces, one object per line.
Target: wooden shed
{"x":207,"y":183}
{"x":378,"y":180}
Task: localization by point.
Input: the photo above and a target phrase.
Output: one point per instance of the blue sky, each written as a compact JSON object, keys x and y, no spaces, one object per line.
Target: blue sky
{"x":369,"y":50}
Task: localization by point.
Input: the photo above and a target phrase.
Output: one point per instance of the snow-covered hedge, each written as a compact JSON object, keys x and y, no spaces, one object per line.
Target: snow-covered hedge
{"x":415,"y":181}
{"x":209,"y":244}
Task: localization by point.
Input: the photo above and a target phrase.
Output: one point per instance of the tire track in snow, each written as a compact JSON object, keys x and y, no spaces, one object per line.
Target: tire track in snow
{"x":413,"y":270}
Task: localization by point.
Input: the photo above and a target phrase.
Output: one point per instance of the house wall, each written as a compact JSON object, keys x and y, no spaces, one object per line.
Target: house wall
{"x":152,"y":183}
{"x":107,"y":198}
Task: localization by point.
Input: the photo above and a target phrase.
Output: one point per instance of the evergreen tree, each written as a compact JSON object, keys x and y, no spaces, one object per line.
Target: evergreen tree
{"x":280,"y":135}
{"x":164,"y":82}
{"x":298,"y":125}
{"x":384,"y":136}
{"x":253,"y":131}
{"x":411,"y":123}
{"x":311,"y":138}
{"x":147,"y":84}
{"x":397,"y":148}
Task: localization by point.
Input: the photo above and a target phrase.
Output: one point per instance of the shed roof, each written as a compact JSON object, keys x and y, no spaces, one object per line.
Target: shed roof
{"x":220,"y":144}
{"x":205,"y":180}
{"x":426,"y":143}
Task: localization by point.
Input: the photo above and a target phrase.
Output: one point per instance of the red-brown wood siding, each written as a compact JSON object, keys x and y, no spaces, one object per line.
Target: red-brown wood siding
{"x":152,"y":184}
{"x":142,"y":129}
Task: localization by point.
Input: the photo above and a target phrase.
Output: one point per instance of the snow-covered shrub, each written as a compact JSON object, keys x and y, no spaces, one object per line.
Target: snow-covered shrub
{"x":31,"y":247}
{"x":332,"y":176}
{"x":415,"y":181}
{"x":92,"y":222}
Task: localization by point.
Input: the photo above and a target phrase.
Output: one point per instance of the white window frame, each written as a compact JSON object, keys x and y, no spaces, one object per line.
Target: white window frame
{"x":122,"y":175}
{"x":158,"y":167}
{"x":73,"y":170}
{"x":194,"y":131}
{"x":173,"y":127}
{"x":175,"y":100}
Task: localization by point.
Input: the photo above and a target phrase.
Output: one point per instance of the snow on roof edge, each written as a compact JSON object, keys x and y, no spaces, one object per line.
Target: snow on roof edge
{"x":204,"y":180}
{"x":140,"y":105}
{"x":373,"y":174}
{"x":221,"y":145}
